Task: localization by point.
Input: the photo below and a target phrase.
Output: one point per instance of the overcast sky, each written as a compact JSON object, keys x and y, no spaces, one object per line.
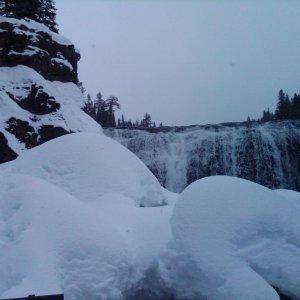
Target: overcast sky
{"x":186,"y":62}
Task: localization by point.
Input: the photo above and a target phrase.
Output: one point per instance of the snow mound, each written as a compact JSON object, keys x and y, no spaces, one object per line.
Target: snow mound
{"x":90,"y":167}
{"x":289,"y":194}
{"x":233,"y":239}
{"x":51,"y":242}
{"x":17,"y":81}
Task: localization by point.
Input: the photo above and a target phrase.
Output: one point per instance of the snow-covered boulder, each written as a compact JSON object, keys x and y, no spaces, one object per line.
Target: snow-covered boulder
{"x":89,"y":167}
{"x":29,"y":43}
{"x":233,"y":239}
{"x":51,"y":242}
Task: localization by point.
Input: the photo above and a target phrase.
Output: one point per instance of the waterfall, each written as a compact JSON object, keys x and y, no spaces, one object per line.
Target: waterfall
{"x":268,"y":154}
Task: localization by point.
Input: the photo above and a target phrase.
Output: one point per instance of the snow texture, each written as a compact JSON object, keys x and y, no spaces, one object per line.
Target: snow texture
{"x":90,"y":166}
{"x":69,"y":220}
{"x":233,"y":239}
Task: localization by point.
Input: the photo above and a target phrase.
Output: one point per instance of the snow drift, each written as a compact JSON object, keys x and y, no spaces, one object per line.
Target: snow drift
{"x":52,"y":242}
{"x":89,"y":167}
{"x":75,"y":218}
{"x":233,"y":239}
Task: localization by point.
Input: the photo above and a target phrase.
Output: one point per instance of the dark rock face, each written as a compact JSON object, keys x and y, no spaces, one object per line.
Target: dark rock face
{"x":37,"y":101}
{"x":6,"y":154}
{"x":34,"y":109}
{"x":22,"y":44}
{"x":31,"y":136}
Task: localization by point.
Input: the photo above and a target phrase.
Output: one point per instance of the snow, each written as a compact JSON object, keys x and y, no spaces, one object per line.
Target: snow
{"x":233,"y":239}
{"x":52,"y":242}
{"x":17,"y":80}
{"x":63,"y":62}
{"x":84,"y":216}
{"x":89,"y":167}
{"x":36,"y":28}
{"x":71,"y":221}
{"x":289,"y":194}
{"x":30,"y":51}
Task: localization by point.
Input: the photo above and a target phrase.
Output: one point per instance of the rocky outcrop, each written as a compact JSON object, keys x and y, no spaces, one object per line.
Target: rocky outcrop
{"x":39,"y":98}
{"x":33,"y":45}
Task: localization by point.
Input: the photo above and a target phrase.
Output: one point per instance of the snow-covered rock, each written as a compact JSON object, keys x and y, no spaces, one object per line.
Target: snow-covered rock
{"x":29,"y":43}
{"x":89,"y":167}
{"x":34,"y":110}
{"x":233,"y":239}
{"x":39,"y":99}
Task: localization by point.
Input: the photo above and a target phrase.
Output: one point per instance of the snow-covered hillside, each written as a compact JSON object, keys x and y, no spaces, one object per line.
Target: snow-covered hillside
{"x":264,"y":153}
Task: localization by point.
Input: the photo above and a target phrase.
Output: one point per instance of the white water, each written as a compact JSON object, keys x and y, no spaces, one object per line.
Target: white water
{"x":268,"y":154}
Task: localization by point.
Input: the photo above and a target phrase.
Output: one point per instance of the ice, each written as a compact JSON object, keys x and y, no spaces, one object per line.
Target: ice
{"x":233,"y":239}
{"x":263,"y":153}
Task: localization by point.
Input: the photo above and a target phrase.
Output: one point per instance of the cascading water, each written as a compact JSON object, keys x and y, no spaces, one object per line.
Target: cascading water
{"x":268,"y":153}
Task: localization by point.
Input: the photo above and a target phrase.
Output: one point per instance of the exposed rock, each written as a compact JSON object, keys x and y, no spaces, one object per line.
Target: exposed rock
{"x":39,"y":99}
{"x":6,"y":153}
{"x":34,"y":45}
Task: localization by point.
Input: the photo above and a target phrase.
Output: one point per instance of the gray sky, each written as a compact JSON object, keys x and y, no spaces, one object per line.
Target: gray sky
{"x":186,"y":62}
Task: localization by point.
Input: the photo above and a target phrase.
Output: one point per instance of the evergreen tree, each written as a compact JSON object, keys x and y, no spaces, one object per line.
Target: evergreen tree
{"x":295,"y":107}
{"x":283,"y":110}
{"x":112,"y":103}
{"x":42,"y":11}
{"x":47,"y":14}
{"x":146,"y":121}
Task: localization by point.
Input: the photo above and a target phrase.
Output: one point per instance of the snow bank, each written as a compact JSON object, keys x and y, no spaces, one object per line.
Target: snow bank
{"x":289,"y":194}
{"x":89,"y":167}
{"x":18,"y":80}
{"x":51,"y":242}
{"x":233,"y":239}
{"x":68,"y":222}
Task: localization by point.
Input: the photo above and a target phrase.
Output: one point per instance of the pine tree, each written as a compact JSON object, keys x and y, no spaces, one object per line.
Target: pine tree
{"x":42,"y":11}
{"x":146,"y":121}
{"x":283,"y":106}
{"x":47,"y":14}
{"x":112,"y":103}
{"x":295,"y":107}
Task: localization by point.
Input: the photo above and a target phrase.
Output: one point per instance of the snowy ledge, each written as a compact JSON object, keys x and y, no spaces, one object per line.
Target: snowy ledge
{"x":37,"y":27}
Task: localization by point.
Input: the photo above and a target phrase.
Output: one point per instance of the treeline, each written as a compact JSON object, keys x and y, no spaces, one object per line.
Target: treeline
{"x":103,"y":111}
{"x":287,"y":108}
{"x":42,"y":11}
